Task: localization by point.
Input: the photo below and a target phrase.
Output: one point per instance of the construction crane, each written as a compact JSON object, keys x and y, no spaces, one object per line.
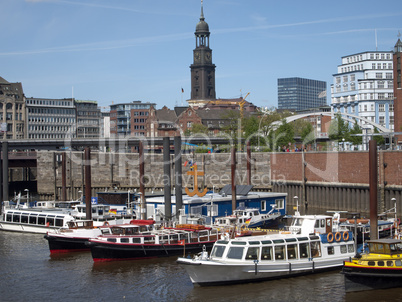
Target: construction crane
{"x":241,"y":105}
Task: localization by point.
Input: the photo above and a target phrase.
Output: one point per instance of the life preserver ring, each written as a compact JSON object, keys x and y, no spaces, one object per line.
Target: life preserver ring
{"x":330,"y":237}
{"x":345,"y":236}
{"x":106,"y":223}
{"x":338,"y":236}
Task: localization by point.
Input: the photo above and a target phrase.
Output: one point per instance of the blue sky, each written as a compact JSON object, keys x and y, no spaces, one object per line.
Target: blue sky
{"x":127,"y":50}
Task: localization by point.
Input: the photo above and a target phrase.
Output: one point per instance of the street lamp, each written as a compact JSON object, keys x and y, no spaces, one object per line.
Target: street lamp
{"x":343,"y":144}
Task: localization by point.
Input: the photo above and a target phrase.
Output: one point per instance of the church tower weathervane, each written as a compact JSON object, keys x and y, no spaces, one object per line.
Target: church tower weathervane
{"x":202,"y":69}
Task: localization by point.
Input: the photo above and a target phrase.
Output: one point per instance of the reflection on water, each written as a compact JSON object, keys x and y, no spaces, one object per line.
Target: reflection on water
{"x":29,"y":273}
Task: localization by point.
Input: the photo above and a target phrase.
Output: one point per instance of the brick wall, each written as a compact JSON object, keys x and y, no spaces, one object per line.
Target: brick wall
{"x":266,"y":168}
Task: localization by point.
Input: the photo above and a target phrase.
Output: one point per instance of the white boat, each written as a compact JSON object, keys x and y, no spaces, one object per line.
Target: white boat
{"x":311,"y":244}
{"x":34,"y":221}
{"x":45,"y":216}
{"x":250,"y":218}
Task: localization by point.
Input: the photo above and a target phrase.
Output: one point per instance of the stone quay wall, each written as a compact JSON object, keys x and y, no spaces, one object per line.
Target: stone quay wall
{"x":321,"y":180}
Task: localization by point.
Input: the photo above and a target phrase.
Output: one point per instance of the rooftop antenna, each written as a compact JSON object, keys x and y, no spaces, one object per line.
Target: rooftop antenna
{"x":376,"y":46}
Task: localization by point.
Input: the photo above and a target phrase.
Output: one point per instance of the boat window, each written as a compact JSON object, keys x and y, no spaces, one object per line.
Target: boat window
{"x":253,"y":242}
{"x":111,"y":239}
{"x":131,"y":231}
{"x":315,"y":249}
{"x":304,"y":251}
{"x":292,"y":251}
{"x":302,"y":238}
{"x":351,"y":248}
{"x":263,"y":205}
{"x":290,"y":239}
{"x":331,"y":250}
{"x":238,"y":243}
{"x":278,"y":241}
{"x":398,"y":263}
{"x":314,"y":237}
{"x":124,"y":240}
{"x":42,"y":219}
{"x":9,"y":217}
{"x":380,"y":263}
{"x":266,"y":253}
{"x":235,"y":252}
{"x":266,"y":242}
{"x":222,"y":241}
{"x":16,"y":217}
{"x":280,"y":252}
{"x":50,"y":220}
{"x":105,"y":231}
{"x":117,"y":231}
{"x":218,"y":251}
{"x":136,"y":240}
{"x":390,"y":263}
{"x":298,"y":222}
{"x":371,"y":263}
{"x":59,"y":221}
{"x":24,"y":218}
{"x":344,"y":249}
{"x":253,"y":253}
{"x":32,"y":218}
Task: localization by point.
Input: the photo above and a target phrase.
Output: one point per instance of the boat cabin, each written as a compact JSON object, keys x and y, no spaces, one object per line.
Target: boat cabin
{"x":48,"y":219}
{"x":278,"y":248}
{"x":311,"y":224}
{"x":385,"y":246}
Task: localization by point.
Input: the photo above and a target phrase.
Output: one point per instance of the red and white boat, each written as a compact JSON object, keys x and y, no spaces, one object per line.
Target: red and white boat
{"x":73,"y":238}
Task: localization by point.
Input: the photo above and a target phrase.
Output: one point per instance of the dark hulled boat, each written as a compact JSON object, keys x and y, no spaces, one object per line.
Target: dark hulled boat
{"x":160,"y":243}
{"x":379,"y":268}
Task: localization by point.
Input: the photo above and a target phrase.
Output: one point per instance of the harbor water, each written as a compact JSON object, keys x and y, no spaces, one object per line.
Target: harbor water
{"x":29,"y":273}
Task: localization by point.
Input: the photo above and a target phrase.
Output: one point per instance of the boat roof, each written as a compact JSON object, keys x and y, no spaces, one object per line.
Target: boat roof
{"x":274,"y":236}
{"x":385,"y":241}
{"x":216,"y":197}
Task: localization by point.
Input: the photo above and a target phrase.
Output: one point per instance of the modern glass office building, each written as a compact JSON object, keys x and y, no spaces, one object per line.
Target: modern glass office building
{"x":300,"y":94}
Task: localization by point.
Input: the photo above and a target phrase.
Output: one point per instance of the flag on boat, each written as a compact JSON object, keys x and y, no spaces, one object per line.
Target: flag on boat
{"x":182,"y":242}
{"x":182,"y":90}
{"x":113,"y":211}
{"x":188,"y":163}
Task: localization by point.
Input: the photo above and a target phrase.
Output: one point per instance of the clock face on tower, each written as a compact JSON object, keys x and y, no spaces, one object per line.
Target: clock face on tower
{"x":208,"y":57}
{"x":197,"y":57}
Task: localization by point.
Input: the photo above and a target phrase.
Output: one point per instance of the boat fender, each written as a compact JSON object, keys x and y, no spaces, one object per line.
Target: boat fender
{"x":330,"y":237}
{"x":338,"y":236}
{"x":106,"y":223}
{"x":345,"y":236}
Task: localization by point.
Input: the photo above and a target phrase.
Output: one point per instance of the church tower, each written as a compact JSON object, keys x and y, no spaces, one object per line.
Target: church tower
{"x":202,"y":69}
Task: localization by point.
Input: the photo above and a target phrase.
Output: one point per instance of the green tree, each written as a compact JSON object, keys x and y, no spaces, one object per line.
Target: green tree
{"x":250,"y":129}
{"x":339,"y":129}
{"x":199,"y":128}
{"x":356,"y":140}
{"x":283,"y":135}
{"x":307,"y":134}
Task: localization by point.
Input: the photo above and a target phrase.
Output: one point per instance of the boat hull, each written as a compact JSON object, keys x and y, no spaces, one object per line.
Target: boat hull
{"x":66,"y":244}
{"x":207,"y":273}
{"x":26,"y":228}
{"x":361,"y":279}
{"x":111,"y":251}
